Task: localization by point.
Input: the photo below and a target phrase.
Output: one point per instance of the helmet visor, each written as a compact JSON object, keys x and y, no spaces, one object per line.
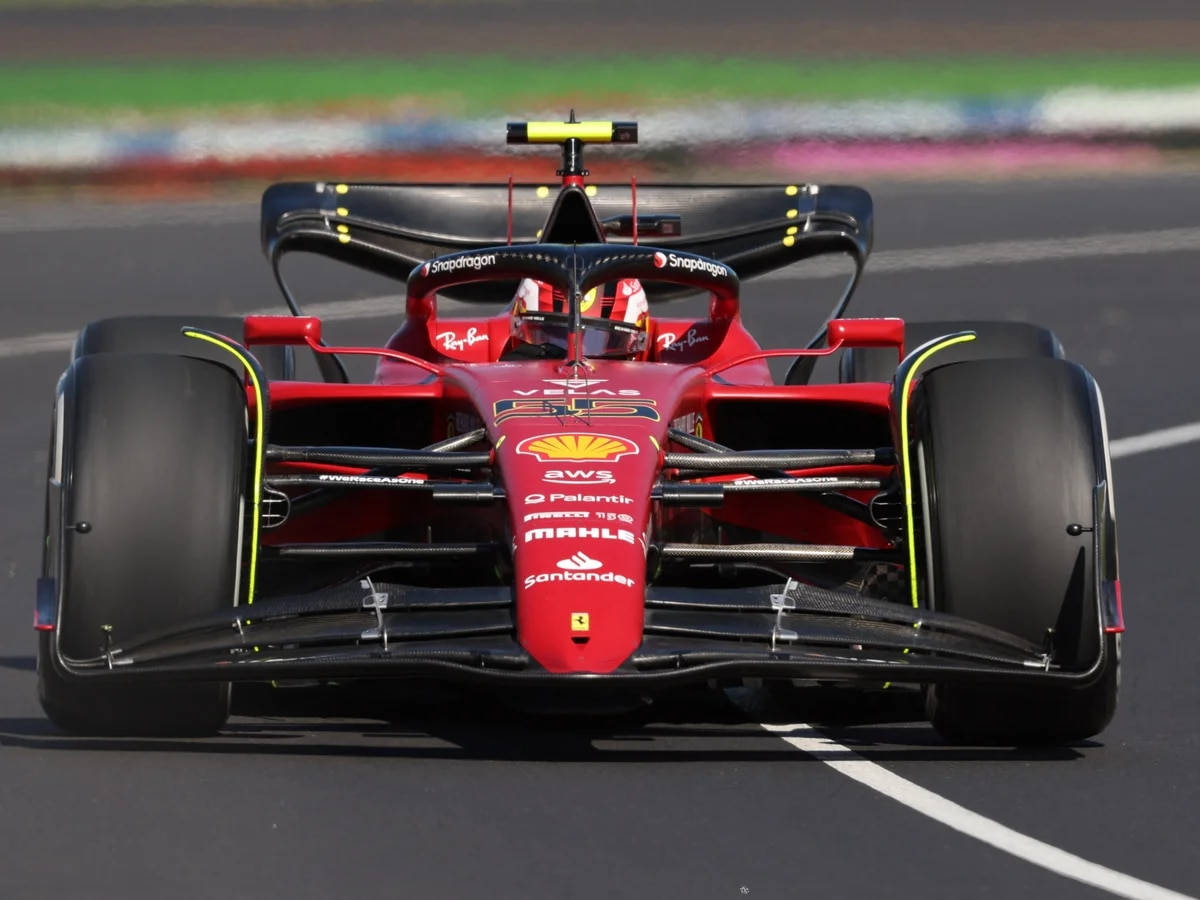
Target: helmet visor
{"x":601,"y":338}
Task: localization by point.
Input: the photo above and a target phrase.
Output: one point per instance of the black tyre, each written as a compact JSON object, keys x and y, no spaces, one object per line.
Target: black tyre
{"x":994,"y":340}
{"x":160,"y":334}
{"x":153,"y":459}
{"x":1007,"y":454}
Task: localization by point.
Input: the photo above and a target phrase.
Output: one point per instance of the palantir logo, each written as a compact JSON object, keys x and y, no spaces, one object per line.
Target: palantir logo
{"x":579,"y":562}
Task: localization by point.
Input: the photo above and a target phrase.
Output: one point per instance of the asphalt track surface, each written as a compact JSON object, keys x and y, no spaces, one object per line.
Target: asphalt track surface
{"x":692,"y":798}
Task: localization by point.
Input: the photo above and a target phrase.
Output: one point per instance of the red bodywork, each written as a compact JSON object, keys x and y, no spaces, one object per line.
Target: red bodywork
{"x":579,"y":452}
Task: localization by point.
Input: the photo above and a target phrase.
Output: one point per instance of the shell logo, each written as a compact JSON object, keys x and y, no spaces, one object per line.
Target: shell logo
{"x":551,"y":447}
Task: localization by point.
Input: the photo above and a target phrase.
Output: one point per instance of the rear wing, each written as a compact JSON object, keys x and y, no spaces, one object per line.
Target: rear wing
{"x":390,"y":228}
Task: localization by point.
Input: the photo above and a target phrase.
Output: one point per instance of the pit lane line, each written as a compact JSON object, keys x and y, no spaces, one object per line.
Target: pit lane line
{"x":846,"y":762}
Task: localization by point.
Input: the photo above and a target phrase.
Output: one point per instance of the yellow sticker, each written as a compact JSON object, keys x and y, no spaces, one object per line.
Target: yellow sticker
{"x":588,"y":299}
{"x":792,"y":229}
{"x":543,"y":192}
{"x":344,"y":238}
{"x":342,"y":188}
{"x":342,"y":211}
{"x":792,"y":213}
{"x":792,"y":190}
{"x":342,"y":229}
{"x":788,"y":240}
{"x":590,"y":190}
{"x":580,"y":621}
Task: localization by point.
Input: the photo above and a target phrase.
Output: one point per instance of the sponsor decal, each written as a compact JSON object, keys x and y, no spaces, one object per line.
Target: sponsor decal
{"x":604,"y":577}
{"x":574,"y":407}
{"x":580,"y":621}
{"x":369,"y":479}
{"x":557,"y":514}
{"x":578,"y":514}
{"x":812,"y":479}
{"x":579,"y":567}
{"x":690,"y":264}
{"x":582,"y":533}
{"x":585,"y":391}
{"x":479,"y":261}
{"x":580,"y":476}
{"x":451,"y":341}
{"x":669,"y":342}
{"x":616,"y":499}
{"x":579,"y":562}
{"x":575,"y":446}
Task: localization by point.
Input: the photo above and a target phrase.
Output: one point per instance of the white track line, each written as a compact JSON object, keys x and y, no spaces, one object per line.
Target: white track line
{"x":1170,"y":240}
{"x":999,"y":253}
{"x":390,"y":306}
{"x":1155,"y":440}
{"x":846,"y":762}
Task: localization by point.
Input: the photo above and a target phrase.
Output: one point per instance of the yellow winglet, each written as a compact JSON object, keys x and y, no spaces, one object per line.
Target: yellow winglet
{"x":905,"y":390}
{"x":242,"y":356}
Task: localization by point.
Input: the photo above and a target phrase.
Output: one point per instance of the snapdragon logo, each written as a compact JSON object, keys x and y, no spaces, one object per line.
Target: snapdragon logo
{"x":437,"y":266}
{"x":690,"y":264}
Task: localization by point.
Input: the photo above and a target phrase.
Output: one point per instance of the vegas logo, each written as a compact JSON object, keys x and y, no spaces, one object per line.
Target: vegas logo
{"x":578,"y":447}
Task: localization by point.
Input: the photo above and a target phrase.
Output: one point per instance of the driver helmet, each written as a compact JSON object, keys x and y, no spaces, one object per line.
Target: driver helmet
{"x":615,"y":318}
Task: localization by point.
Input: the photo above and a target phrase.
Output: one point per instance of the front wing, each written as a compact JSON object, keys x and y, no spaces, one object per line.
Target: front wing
{"x":375,"y":630}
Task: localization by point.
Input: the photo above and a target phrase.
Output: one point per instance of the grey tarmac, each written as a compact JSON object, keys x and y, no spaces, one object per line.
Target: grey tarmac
{"x":692,"y":798}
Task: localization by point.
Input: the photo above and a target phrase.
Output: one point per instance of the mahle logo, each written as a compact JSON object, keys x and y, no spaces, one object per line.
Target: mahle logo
{"x":576,"y":447}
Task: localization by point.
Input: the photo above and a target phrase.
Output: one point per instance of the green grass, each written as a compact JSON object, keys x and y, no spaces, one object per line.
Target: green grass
{"x":473,"y":86}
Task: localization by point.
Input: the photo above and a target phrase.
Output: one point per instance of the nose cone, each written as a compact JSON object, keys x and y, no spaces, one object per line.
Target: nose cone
{"x":579,"y":500}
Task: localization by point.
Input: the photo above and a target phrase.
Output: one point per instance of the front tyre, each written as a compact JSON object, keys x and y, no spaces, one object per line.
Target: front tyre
{"x":1008,"y":455}
{"x":153,"y":459}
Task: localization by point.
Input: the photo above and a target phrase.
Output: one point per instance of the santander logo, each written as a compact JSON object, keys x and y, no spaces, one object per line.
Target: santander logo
{"x":579,"y":562}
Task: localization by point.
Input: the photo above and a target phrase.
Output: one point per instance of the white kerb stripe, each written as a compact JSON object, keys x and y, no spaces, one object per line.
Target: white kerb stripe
{"x":845,"y":761}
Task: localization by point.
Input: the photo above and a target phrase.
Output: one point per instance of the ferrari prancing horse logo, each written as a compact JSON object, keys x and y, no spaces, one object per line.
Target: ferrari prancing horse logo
{"x":580,"y":621}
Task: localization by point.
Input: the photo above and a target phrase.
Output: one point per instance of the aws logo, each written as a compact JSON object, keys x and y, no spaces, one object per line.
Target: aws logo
{"x":577,"y":447}
{"x":575,"y":407}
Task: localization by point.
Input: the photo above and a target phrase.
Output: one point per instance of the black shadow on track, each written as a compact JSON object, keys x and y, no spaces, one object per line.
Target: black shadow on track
{"x":691,"y":729}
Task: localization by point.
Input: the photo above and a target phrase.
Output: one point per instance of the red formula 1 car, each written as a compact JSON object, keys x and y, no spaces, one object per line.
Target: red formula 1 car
{"x":573,"y":495}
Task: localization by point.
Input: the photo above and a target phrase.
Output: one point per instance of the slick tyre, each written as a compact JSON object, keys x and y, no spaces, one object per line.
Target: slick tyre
{"x":161,"y":334}
{"x":994,"y":340}
{"x":152,"y":457}
{"x":1007,"y":454}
